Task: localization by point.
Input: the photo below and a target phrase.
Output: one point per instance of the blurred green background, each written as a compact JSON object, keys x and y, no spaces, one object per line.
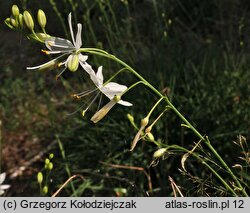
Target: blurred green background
{"x":196,"y":52}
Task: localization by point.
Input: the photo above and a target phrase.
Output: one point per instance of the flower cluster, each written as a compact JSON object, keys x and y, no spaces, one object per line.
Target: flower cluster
{"x":69,"y":57}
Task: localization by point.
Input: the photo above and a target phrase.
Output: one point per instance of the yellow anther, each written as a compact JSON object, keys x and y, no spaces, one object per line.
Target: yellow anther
{"x":50,"y":43}
{"x":76,"y":96}
{"x":45,"y":51}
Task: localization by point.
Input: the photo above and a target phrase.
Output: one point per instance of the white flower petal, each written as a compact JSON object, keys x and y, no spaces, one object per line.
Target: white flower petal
{"x":4,"y":187}
{"x":82,"y":57}
{"x":111,"y":89}
{"x":48,"y":64}
{"x":99,"y":76}
{"x":2,"y":177}
{"x":71,"y":30}
{"x":50,"y":52}
{"x":124,"y":103}
{"x":60,"y":44}
{"x":78,"y":36}
{"x":87,"y":68}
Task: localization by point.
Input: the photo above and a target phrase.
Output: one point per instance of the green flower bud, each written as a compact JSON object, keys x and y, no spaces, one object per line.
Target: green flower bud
{"x":150,"y":136}
{"x":47,"y":161}
{"x":13,"y":22}
{"x":51,"y":155}
{"x":20,"y":20}
{"x":50,"y":166}
{"x":159,"y":153}
{"x":39,"y":177}
{"x":130,"y":118}
{"x":41,"y":36}
{"x":45,"y":189}
{"x":15,"y":10}
{"x":41,"y":17}
{"x":73,"y":62}
{"x":28,"y":20}
{"x":8,"y":23}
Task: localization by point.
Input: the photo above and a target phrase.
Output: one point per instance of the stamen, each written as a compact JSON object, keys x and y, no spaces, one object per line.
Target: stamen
{"x":75,"y":96}
{"x":50,"y":43}
{"x":92,"y":101}
{"x":57,"y":76}
{"x":46,"y":52}
{"x":93,"y":98}
{"x":85,"y":93}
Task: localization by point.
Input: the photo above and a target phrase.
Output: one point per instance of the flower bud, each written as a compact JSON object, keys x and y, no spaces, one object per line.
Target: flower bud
{"x":20,"y":20}
{"x":159,"y":153}
{"x":45,"y":189}
{"x":41,"y":17}
{"x":28,"y":20}
{"x":39,"y":177}
{"x":15,"y":10}
{"x":130,"y":118}
{"x":41,"y":36}
{"x":51,"y":155}
{"x":73,"y":62}
{"x":13,"y":22}
{"x":50,"y":166}
{"x":150,"y":136}
{"x":8,"y":23}
{"x":47,"y":161}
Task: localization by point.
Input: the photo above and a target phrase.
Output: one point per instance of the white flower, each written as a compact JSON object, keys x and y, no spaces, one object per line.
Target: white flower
{"x":65,"y":47}
{"x":3,"y":187}
{"x":112,"y":90}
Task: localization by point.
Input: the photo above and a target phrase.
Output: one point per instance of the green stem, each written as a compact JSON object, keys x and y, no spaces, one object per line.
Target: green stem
{"x":113,"y":76}
{"x":207,"y":142}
